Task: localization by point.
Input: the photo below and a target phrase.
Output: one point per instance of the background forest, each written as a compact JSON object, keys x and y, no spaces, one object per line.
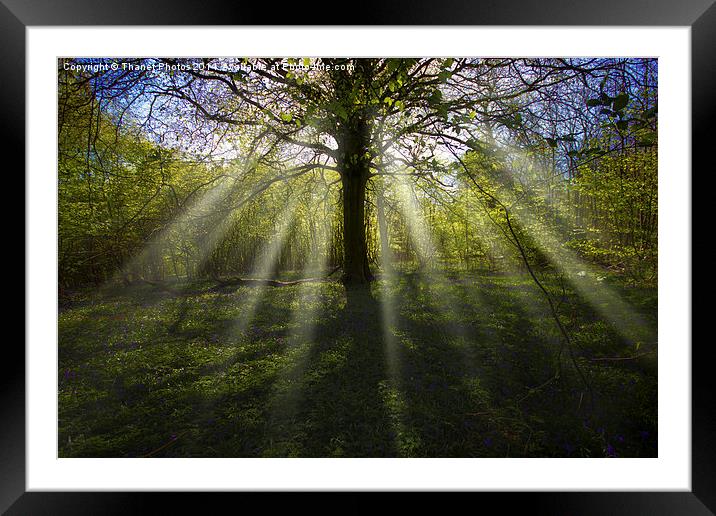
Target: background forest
{"x":357,"y":257}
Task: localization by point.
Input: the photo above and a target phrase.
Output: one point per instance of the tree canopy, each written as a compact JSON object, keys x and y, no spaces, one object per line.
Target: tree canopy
{"x":208,"y":137}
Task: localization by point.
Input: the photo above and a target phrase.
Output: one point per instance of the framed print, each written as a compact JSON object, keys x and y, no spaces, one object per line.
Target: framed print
{"x":359,"y":258}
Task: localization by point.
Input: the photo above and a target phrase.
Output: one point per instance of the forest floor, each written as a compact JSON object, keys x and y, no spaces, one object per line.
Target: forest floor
{"x":444,"y":369}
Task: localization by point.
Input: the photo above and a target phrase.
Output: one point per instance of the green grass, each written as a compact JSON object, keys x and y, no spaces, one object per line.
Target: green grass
{"x":143,"y":372}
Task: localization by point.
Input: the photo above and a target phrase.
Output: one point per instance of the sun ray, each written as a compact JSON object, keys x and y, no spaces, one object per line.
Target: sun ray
{"x":585,"y":278}
{"x":176,"y":230}
{"x":307,"y":307}
{"x":265,"y":266}
{"x":182,"y":231}
{"x":392,"y":388}
{"x":248,"y":300}
{"x":588,"y":281}
{"x":433,"y":278}
{"x":289,"y":386}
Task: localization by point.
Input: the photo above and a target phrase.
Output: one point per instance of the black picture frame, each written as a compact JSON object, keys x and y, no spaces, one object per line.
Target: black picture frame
{"x":16,"y":15}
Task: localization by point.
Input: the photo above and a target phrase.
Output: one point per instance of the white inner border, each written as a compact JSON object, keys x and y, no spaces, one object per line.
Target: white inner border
{"x":670,"y":471}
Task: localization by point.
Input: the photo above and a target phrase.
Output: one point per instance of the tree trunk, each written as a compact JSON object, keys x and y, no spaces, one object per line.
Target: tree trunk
{"x":353,"y":165}
{"x":355,"y":252}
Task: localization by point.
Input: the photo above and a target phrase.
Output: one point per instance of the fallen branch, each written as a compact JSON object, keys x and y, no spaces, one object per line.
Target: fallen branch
{"x":260,"y":282}
{"x":615,"y":359}
{"x":161,"y":286}
{"x":173,"y":439}
{"x":250,"y":282}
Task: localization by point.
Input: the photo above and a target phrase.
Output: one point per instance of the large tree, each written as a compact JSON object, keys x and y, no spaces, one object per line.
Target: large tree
{"x":359,"y":117}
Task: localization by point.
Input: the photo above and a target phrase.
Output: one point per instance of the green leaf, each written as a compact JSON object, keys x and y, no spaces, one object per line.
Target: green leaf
{"x":473,"y":144}
{"x":444,"y":75}
{"x":435,"y":98}
{"x":339,"y":110}
{"x":552,"y":142}
{"x":442,"y":111}
{"x":647,"y":140}
{"x":620,"y":102}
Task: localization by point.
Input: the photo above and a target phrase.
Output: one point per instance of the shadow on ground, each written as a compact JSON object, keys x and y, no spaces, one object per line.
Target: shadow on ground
{"x":318,"y":371}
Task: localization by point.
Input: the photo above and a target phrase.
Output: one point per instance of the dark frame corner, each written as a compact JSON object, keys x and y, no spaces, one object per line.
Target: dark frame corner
{"x":700,"y":15}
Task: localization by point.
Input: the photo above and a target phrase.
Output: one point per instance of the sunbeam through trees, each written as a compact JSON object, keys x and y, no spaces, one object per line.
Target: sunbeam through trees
{"x":362,"y":257}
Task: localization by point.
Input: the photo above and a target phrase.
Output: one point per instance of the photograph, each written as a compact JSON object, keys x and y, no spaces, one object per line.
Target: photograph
{"x":408,"y":257}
